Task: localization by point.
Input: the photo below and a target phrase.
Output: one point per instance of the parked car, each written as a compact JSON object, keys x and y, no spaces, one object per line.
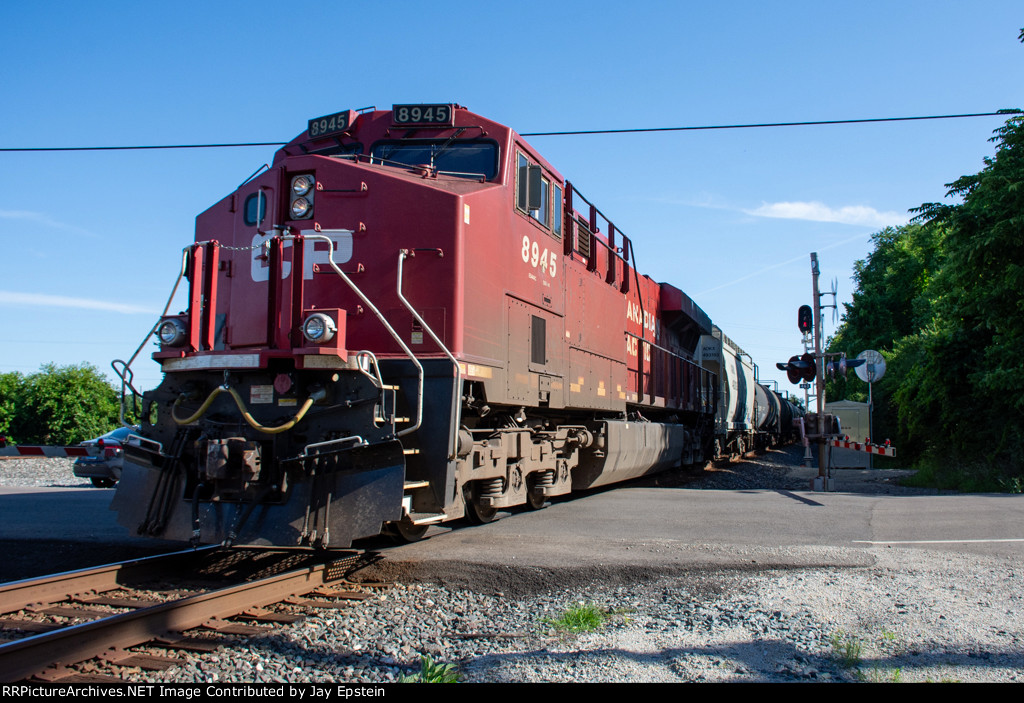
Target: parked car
{"x":104,"y":469}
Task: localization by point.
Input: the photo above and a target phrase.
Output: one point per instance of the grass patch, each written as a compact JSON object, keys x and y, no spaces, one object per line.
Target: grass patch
{"x":877,"y":675}
{"x":947,"y":473}
{"x":582,"y":617}
{"x":432,"y":672}
{"x":846,"y":648}
{"x":849,"y":649}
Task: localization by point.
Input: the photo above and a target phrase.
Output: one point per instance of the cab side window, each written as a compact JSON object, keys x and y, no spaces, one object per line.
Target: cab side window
{"x":556,"y":223}
{"x":255,"y":208}
{"x":522,"y":183}
{"x":541,"y":213}
{"x":533,"y":191}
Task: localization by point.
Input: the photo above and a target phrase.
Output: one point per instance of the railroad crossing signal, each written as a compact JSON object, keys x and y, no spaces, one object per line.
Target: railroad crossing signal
{"x":805,"y":319}
{"x":800,"y":367}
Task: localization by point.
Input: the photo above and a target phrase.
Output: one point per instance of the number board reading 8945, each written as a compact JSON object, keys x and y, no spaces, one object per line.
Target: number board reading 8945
{"x":330,"y":124}
{"x":431,"y":114}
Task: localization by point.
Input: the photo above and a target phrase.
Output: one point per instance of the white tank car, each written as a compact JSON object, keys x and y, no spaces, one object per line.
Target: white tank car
{"x":734,"y":423}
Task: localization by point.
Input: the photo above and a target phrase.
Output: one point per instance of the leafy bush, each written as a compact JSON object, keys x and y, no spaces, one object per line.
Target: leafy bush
{"x":942,"y":300}
{"x":57,"y":405}
{"x":12,"y":387}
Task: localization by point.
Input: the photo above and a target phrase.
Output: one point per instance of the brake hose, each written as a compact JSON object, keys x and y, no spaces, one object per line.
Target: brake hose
{"x":313,"y":397}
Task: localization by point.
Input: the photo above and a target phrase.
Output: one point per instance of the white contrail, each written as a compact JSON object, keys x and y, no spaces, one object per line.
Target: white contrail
{"x":802,"y":257}
{"x":61,"y":301}
{"x":43,"y":219}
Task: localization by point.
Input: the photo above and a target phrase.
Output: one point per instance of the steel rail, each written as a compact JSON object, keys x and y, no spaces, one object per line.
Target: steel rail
{"x":26,"y":657}
{"x":16,"y":595}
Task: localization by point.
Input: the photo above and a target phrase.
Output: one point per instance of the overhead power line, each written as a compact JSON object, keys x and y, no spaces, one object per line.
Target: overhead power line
{"x":1010,"y":111}
{"x":139,"y":147}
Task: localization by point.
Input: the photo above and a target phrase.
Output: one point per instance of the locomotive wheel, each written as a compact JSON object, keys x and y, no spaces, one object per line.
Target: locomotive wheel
{"x":408,"y":532}
{"x":534,"y":500}
{"x":102,"y":482}
{"x":479,"y":514}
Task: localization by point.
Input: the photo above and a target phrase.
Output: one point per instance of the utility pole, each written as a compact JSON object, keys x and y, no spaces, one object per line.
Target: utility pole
{"x":812,"y":366}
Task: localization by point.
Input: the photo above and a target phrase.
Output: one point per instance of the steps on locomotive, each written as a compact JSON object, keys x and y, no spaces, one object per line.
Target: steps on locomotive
{"x":422,"y":518}
{"x":426,"y":518}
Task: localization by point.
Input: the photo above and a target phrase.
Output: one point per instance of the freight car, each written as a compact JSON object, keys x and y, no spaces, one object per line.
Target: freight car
{"x":735,"y":430}
{"x":775,"y":415}
{"x":408,"y":318}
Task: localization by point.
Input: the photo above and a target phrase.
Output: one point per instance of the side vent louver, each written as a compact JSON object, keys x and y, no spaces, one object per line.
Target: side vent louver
{"x":582,"y":238}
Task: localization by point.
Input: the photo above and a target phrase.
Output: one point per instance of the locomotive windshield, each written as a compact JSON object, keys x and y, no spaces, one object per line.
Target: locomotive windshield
{"x":465,"y":159}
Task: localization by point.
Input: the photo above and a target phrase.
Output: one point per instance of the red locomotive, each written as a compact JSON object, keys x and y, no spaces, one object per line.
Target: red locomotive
{"x":410,"y":317}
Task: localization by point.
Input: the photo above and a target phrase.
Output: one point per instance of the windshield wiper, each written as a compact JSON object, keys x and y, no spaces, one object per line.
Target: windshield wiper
{"x":444,"y":147}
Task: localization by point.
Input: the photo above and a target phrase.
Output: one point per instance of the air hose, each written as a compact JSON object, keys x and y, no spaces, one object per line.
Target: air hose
{"x":313,"y":397}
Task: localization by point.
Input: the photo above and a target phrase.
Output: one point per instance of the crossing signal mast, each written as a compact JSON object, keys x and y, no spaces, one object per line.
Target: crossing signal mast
{"x":811,"y":366}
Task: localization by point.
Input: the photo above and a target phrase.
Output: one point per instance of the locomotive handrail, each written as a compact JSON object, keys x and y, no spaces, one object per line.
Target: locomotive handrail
{"x":627,"y":256}
{"x":140,"y":440}
{"x":126,"y":366}
{"x":360,"y":442}
{"x":383,"y":321}
{"x":593,"y":224}
{"x":376,"y":368}
{"x":457,"y":391}
{"x":660,"y":348}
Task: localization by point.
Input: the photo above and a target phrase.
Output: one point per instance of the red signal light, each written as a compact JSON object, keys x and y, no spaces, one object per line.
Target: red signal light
{"x":805,"y":319}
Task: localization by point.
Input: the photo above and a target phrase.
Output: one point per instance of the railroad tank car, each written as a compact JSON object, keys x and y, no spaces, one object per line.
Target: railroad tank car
{"x":775,"y":415}
{"x":735,"y":420}
{"x":409,"y":317}
{"x":768,"y":414}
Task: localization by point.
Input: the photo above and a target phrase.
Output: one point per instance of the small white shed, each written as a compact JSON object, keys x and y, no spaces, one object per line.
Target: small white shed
{"x":853,"y":421}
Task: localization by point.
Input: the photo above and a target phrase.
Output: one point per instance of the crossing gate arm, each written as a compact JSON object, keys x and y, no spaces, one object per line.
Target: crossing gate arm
{"x":879,"y":449}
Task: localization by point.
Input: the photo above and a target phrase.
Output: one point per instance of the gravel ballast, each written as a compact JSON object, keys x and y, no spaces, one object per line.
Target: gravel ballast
{"x":900,"y":615}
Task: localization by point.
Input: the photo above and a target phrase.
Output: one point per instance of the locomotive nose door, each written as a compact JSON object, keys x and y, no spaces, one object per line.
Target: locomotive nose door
{"x":250,"y":265}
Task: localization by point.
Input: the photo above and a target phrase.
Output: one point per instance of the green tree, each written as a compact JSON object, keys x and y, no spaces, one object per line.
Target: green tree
{"x":892,"y":301}
{"x":943,"y":300}
{"x":975,"y":343}
{"x":12,"y":388}
{"x":64,"y":405}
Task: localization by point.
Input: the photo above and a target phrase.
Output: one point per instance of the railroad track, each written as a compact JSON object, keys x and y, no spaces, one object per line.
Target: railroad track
{"x":80,"y":625}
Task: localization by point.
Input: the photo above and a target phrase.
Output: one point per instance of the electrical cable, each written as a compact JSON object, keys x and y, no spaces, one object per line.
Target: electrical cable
{"x":809,"y":123}
{"x":1009,"y":111}
{"x":140,"y":147}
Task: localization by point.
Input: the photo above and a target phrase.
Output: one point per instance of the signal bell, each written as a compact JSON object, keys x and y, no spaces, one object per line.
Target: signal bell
{"x":805,"y":319}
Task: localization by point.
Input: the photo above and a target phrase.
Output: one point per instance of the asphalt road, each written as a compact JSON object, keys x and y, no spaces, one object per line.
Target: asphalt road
{"x":687,"y":527}
{"x":641,"y":526}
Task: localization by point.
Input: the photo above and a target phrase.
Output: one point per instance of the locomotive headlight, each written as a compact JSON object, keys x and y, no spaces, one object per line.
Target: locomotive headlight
{"x":302,"y":185}
{"x":303,"y":190}
{"x":301,"y":209}
{"x":319,"y":328}
{"x":171,"y":332}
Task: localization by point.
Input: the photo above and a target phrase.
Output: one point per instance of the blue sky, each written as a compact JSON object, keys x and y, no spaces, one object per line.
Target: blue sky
{"x":92,"y":240}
